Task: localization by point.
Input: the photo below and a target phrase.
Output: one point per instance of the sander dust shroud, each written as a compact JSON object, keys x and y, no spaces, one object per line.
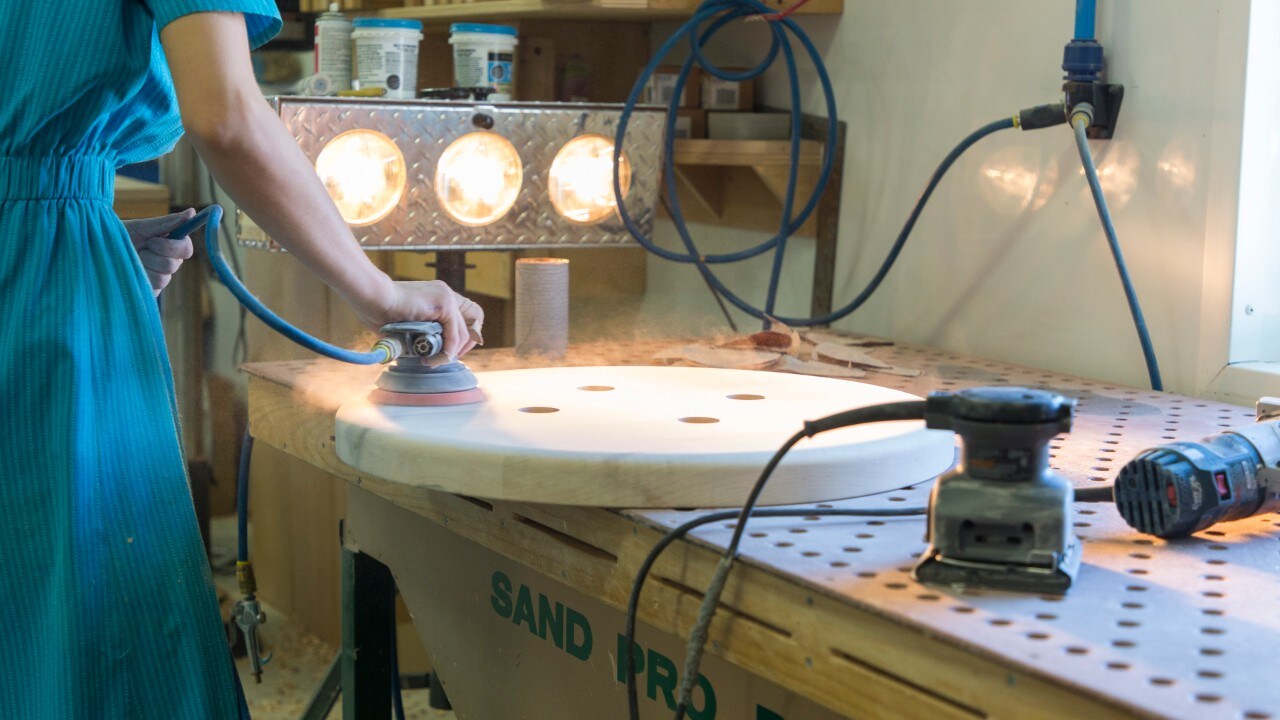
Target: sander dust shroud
{"x":410,"y":348}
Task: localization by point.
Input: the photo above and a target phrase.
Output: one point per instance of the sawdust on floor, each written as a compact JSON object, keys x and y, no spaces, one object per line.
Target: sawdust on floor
{"x":299,"y":659}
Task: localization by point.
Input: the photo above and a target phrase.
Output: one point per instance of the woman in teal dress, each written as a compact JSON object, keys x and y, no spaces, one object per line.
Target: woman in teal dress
{"x":106,"y":603}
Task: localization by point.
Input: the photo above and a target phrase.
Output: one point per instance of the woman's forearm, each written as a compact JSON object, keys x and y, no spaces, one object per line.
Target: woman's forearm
{"x":257,"y":162}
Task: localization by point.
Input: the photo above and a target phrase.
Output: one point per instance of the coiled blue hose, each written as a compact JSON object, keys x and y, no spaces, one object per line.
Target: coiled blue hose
{"x":210,"y":218}
{"x":719,"y":13}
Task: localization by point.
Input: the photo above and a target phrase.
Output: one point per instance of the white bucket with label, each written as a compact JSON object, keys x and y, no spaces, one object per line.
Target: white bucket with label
{"x":386,"y":55}
{"x":484,"y":56}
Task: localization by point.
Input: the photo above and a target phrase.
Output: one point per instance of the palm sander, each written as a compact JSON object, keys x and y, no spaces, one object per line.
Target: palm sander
{"x":1001,"y":518}
{"x":415,"y":376}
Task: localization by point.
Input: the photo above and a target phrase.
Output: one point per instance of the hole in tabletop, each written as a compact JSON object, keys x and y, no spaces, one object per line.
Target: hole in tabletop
{"x":745,"y":396}
{"x":699,"y":420}
{"x":537,"y":410}
{"x":597,"y":388}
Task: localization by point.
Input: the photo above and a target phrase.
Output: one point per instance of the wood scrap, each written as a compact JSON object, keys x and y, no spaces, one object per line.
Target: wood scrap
{"x":813,"y":367}
{"x":818,"y":337}
{"x":778,"y":326}
{"x":848,"y":355}
{"x":670,"y":354}
{"x":766,"y":340}
{"x":904,"y":372}
{"x":730,"y":358}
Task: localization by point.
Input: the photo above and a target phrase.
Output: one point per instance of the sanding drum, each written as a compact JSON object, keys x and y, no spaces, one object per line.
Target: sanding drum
{"x":542,"y":306}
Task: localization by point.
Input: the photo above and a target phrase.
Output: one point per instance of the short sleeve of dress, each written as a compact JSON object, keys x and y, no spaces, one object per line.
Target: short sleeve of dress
{"x":261,"y":18}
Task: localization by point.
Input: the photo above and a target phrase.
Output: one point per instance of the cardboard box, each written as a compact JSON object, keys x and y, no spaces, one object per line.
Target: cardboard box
{"x":720,"y":94}
{"x":732,"y":125}
{"x":691,"y":124}
{"x":662,"y":84}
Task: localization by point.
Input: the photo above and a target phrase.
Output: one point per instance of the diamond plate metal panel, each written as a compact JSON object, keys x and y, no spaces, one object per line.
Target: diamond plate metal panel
{"x":423,"y":130}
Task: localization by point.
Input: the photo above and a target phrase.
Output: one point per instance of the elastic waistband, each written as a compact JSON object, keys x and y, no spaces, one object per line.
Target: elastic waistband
{"x":57,"y":177}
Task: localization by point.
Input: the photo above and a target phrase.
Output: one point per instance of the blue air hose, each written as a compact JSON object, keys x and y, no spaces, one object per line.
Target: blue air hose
{"x":728,"y":11}
{"x":1080,"y":123}
{"x":209,"y":218}
{"x":1086,"y":17}
{"x":242,"y":498}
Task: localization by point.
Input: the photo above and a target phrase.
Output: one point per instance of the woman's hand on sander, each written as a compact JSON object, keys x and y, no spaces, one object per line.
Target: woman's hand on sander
{"x":161,"y":256}
{"x":463,"y":320}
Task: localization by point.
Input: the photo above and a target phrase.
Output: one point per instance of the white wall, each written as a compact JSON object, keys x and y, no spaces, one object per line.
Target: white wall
{"x":1009,"y":260}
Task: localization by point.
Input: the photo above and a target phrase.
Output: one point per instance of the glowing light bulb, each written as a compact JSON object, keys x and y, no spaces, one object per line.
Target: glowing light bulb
{"x":478,"y":178}
{"x":581,"y":180}
{"x":364,"y":172}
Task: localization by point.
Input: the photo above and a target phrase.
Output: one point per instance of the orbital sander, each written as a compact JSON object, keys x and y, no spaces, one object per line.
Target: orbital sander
{"x":414,"y":377}
{"x":1001,"y":518}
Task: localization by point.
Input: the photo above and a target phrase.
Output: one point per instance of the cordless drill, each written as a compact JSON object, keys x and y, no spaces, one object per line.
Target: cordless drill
{"x":1180,"y":488}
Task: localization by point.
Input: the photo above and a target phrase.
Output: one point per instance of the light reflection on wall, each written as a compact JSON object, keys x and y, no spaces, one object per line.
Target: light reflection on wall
{"x":1019,"y":179}
{"x":1118,"y":164}
{"x":1176,"y":172}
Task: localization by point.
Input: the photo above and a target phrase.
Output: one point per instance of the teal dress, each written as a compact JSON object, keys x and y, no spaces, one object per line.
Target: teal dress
{"x":107,"y":608}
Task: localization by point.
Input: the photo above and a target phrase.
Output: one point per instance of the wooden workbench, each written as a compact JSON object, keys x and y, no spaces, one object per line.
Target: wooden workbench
{"x":827,"y":609}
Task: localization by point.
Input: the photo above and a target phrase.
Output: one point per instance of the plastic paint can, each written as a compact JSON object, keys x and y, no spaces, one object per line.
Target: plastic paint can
{"x":333,"y":48}
{"x":484,"y":56}
{"x":386,"y":55}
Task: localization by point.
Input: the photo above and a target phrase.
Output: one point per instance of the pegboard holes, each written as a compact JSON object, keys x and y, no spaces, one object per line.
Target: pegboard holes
{"x":1128,"y":623}
{"x":1219,"y":548}
{"x":745,"y":396}
{"x":1257,"y":715}
{"x":1208,"y":698}
{"x":783,"y":544}
{"x":927,"y":597}
{"x":866,"y":574}
{"x":1046,"y":616}
{"x":798,"y":531}
{"x":1209,"y":674}
{"x":875,"y":522}
{"x":758,"y":534}
{"x":1087,"y":512}
{"x":597,"y":388}
{"x":1137,"y":571}
{"x":1212,"y":611}
{"x":963,"y":609}
{"x":852,"y":549}
{"x":1000,"y":622}
{"x":811,"y":518}
{"x":1214,"y":578}
{"x":864,"y":536}
{"x":1118,"y":666}
{"x":1038,"y":636}
{"x":539,"y":410}
{"x":839,"y":563}
{"x":1213,"y":631}
{"x":810,"y":553}
{"x":1140,"y":556}
{"x":698,"y":420}
{"x":1077,"y":650}
{"x":1212,"y":652}
{"x":1213,"y":594}
{"x":1163,"y":681}
{"x":1136,"y":588}
{"x":1051,"y":598}
{"x":1123,"y":643}
{"x":1144,"y":541}
{"x":897,"y":499}
{"x":896,"y":586}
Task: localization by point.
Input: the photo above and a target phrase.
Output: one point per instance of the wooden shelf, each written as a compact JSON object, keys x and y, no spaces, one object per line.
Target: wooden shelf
{"x":742,"y":183}
{"x":565,"y":10}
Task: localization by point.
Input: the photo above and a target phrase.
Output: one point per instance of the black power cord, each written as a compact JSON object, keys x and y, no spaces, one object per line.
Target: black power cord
{"x":910,"y":410}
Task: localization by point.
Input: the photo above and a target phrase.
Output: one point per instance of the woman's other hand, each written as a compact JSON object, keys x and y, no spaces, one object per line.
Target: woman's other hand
{"x":410,"y":301}
{"x":161,"y":256}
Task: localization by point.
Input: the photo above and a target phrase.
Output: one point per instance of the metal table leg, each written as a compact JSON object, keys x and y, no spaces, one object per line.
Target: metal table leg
{"x":368,"y":621}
